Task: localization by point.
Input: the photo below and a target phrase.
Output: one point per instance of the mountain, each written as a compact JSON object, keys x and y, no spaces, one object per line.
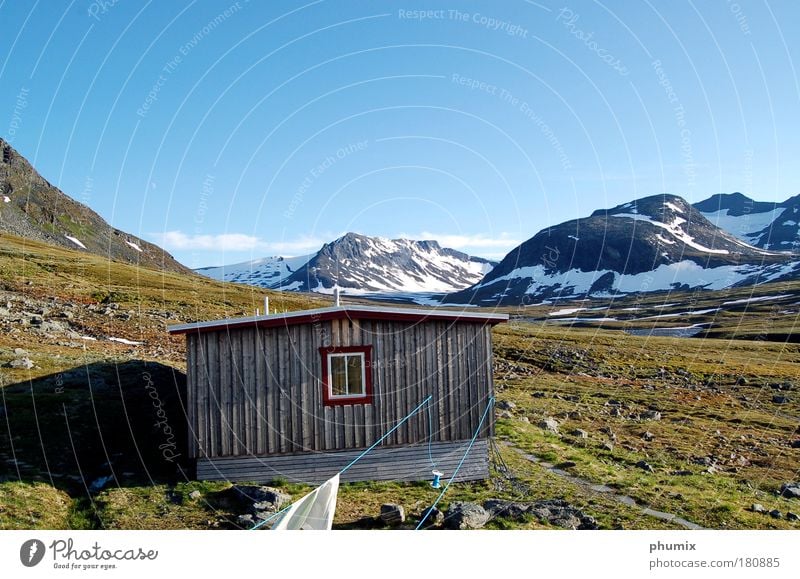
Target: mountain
{"x":655,"y":243}
{"x":766,"y":225}
{"x":31,"y":207}
{"x":264,"y":272}
{"x":358,"y":264}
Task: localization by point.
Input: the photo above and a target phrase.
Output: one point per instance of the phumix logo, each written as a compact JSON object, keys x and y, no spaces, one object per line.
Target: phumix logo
{"x":32,"y":552}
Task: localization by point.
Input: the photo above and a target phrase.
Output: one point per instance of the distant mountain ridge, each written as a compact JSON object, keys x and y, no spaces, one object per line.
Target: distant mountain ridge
{"x":31,"y":207}
{"x":358,"y":264}
{"x":773,"y":226}
{"x":655,"y":243}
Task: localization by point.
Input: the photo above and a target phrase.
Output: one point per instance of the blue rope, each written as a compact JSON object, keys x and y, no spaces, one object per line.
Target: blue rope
{"x":463,"y":458}
{"x":382,"y":438}
{"x":268,"y":519}
{"x":360,"y":456}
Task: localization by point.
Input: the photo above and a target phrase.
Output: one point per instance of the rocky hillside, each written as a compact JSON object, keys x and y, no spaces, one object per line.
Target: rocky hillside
{"x":31,"y":207}
{"x":653,"y":244}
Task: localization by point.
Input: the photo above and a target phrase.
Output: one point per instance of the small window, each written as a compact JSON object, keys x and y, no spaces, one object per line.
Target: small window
{"x":346,"y":375}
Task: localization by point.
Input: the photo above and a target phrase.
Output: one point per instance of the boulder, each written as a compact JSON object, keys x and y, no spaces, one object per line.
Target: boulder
{"x":758,"y":508}
{"x":579,"y":433}
{"x":649,"y":436}
{"x":780,"y":399}
{"x":434,"y":517}
{"x":650,"y":415}
{"x":393,"y":514}
{"x":23,"y":363}
{"x":790,"y":490}
{"x":506,"y":405}
{"x":776,"y":514}
{"x":464,"y":515}
{"x":646,"y":466}
{"x":259,"y":498}
{"x":508,"y":509}
{"x":549,"y":424}
{"x":561,"y":514}
{"x":790,"y":516}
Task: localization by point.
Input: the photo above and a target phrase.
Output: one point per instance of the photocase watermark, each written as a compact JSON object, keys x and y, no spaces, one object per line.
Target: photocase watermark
{"x":522,"y":106}
{"x":317,"y":171}
{"x":687,"y":152}
{"x":31,"y":552}
{"x":169,"y":447}
{"x":20,"y":104}
{"x":740,"y":16}
{"x":569,"y":19}
{"x":100,"y":8}
{"x":483,"y":20}
{"x":172,"y":65}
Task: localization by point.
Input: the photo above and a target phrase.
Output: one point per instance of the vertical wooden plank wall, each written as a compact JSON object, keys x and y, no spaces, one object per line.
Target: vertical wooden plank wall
{"x":258,"y":391}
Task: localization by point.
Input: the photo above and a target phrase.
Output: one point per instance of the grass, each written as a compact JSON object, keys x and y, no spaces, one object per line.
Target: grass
{"x":61,"y":419}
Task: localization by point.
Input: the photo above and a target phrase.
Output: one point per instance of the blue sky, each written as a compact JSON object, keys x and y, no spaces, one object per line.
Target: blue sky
{"x":232,"y":130}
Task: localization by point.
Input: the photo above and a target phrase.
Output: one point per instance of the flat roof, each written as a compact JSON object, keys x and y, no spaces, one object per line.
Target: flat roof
{"x":338,"y":313}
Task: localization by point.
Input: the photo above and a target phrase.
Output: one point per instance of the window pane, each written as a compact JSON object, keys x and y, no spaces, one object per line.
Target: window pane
{"x":338,"y":376}
{"x":355,"y":385}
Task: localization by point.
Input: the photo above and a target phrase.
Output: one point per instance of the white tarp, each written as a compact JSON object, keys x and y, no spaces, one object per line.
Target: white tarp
{"x":314,"y":512}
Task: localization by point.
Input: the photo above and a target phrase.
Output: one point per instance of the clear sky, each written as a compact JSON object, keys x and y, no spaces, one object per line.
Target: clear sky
{"x":233,"y":130}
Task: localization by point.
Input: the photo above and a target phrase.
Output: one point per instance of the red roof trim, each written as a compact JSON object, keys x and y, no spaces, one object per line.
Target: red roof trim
{"x":354,"y":314}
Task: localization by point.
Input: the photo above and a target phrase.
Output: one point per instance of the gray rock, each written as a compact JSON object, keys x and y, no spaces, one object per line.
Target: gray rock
{"x":194,"y":495}
{"x":506,"y":405}
{"x":549,"y":424}
{"x":758,"y":508}
{"x":580,"y":433}
{"x":650,"y":415}
{"x":24,"y":363}
{"x":245,"y":521}
{"x":260,"y":498}
{"x":463,"y":515}
{"x":393,"y":514}
{"x":561,"y":514}
{"x":780,"y":399}
{"x":508,"y":509}
{"x":19,"y":352}
{"x":790,"y":516}
{"x":790,"y":490}
{"x":609,"y":446}
{"x":646,"y":466}
{"x":776,"y":514}
{"x":434,"y":517}
{"x":649,"y":436}
{"x":505,"y":414}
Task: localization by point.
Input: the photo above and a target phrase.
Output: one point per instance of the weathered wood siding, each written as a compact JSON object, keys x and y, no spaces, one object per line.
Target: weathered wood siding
{"x":258,"y":391}
{"x":397,"y":463}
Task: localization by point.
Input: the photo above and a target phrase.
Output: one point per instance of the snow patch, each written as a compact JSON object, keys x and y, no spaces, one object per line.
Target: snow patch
{"x":75,"y":241}
{"x":566,"y":311}
{"x":756,"y":299}
{"x":124,"y":341}
{"x":134,"y":246}
{"x":675,"y":208}
{"x":675,"y":229}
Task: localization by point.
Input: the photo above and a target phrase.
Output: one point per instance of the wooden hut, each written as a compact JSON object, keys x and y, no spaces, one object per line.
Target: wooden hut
{"x":298,"y":395}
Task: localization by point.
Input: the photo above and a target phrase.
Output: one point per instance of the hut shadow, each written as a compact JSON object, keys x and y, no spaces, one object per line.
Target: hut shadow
{"x":96,"y":426}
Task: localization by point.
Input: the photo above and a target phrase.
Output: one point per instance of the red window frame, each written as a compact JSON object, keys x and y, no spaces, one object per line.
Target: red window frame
{"x":328,"y":399}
